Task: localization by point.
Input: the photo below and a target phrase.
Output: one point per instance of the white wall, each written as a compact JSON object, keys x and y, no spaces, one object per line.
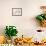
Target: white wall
{"x":26,"y":23}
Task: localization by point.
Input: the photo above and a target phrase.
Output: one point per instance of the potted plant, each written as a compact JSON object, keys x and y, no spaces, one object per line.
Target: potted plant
{"x":42,"y":17}
{"x":10,"y":31}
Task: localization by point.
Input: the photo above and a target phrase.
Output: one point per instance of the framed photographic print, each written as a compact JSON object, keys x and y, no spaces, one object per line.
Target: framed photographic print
{"x":16,"y":11}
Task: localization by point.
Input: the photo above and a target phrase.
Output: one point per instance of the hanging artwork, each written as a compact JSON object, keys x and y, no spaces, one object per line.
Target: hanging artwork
{"x":16,"y":11}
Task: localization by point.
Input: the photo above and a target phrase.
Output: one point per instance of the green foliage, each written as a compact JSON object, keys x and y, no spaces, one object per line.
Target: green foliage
{"x":45,"y":17}
{"x":11,"y":31}
{"x":41,"y":17}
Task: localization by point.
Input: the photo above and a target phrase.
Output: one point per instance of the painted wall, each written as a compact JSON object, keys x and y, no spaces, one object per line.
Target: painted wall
{"x":26,"y":24}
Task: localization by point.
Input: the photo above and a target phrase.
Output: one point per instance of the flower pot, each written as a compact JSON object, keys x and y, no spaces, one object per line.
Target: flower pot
{"x":13,"y":38}
{"x":43,"y":23}
{"x":9,"y":41}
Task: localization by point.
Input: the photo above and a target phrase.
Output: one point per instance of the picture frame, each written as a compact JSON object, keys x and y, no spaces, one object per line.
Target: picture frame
{"x":16,"y":11}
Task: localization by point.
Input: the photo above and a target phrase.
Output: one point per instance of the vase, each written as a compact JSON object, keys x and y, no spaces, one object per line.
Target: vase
{"x":13,"y":38}
{"x":9,"y":41}
{"x":43,"y":23}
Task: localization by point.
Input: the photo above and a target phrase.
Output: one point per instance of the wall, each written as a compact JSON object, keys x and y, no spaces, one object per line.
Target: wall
{"x":26,"y":24}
